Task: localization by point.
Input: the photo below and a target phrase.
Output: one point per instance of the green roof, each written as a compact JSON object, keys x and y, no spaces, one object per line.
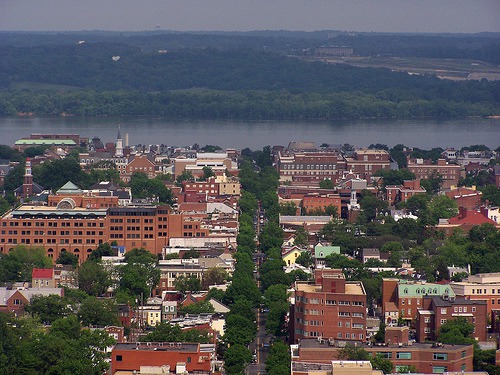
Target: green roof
{"x":423,"y":289}
{"x":69,"y":188}
{"x":323,"y":251}
{"x":45,"y":142}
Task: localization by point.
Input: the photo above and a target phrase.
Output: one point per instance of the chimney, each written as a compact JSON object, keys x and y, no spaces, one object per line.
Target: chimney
{"x":126,"y":140}
{"x":462,"y":212}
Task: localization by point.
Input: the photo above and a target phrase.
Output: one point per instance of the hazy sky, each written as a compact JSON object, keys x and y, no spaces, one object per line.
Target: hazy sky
{"x":244,"y":15}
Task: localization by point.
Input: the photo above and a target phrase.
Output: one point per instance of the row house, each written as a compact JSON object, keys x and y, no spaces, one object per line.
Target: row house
{"x":403,"y":298}
{"x":13,"y":300}
{"x":331,"y":307}
{"x":436,"y":311}
{"x":427,"y":358}
{"x":450,"y":173}
{"x":43,"y":278}
{"x":480,"y":287}
{"x":401,"y":193}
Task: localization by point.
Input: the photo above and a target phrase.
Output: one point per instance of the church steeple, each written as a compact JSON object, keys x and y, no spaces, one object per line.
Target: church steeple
{"x":28,"y":180}
{"x":119,"y":145}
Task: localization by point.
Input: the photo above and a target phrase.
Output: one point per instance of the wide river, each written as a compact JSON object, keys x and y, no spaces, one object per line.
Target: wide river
{"x":257,"y":134}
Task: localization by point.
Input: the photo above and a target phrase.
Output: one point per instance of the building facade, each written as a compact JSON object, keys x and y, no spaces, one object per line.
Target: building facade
{"x":330,"y":308}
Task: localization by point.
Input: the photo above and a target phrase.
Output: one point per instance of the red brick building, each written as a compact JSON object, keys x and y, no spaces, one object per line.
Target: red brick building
{"x":317,"y":202}
{"x":401,"y":193}
{"x":330,"y":308}
{"x":427,"y":358}
{"x":425,"y":169}
{"x":436,"y":311}
{"x":180,"y":358}
{"x":365,"y":162}
{"x":465,"y":220}
{"x":470,"y":198}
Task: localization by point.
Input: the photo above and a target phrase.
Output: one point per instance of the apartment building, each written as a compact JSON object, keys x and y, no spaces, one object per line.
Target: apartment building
{"x":425,"y":357}
{"x":366,"y":162}
{"x":401,"y":193}
{"x":480,"y":287}
{"x":436,"y":311}
{"x":402,"y":298}
{"x":331,"y":307}
{"x":450,"y":173}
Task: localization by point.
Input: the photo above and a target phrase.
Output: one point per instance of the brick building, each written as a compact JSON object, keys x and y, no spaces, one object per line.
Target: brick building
{"x":465,"y":220}
{"x":401,"y":193}
{"x":427,"y":358}
{"x":366,"y":162}
{"x":330,"y":308}
{"x":14,"y":300}
{"x":179,"y":358}
{"x":470,"y":198}
{"x":80,"y":230}
{"x":316,"y":202}
{"x":402,"y":298}
{"x":436,"y":311}
{"x":425,"y":169}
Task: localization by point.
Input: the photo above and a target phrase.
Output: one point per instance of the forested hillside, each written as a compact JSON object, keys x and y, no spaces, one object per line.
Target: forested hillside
{"x":108,"y":78}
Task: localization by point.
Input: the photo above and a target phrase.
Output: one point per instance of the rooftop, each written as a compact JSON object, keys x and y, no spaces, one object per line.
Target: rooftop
{"x":353,"y":287}
{"x":159,"y":346}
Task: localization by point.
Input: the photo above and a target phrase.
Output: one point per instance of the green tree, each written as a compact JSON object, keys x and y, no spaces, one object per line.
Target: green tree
{"x":98,"y":312}
{"x":93,"y":278}
{"x":456,"y":331}
{"x":18,"y":264}
{"x":184,"y":176}
{"x":202,"y":307}
{"x":326,"y":184}
{"x":185,"y":284}
{"x":353,"y":353}
{"x":278,"y":358}
{"x":207,"y":173}
{"x":104,"y":249}
{"x":236,"y":357}
{"x":48,"y":308}
{"x":68,"y":259}
{"x":166,"y":332}
{"x":305,"y":259}
{"x":288,"y":209}
{"x":301,"y":237}
{"x":214,"y":276}
{"x":383,"y":364}
{"x":190,"y":254}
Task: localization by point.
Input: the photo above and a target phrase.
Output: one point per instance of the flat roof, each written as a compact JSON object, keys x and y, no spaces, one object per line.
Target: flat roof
{"x":42,"y":142}
{"x":30,"y":210}
{"x":354,"y":287}
{"x":159,"y":346}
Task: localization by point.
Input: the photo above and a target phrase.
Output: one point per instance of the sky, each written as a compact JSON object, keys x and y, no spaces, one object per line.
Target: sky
{"x":423,"y":16}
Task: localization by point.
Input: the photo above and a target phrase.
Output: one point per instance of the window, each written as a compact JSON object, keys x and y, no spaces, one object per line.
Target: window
{"x":439,"y":369}
{"x":427,"y":320}
{"x":463,"y":354}
{"x":440,"y":356}
{"x":443,"y":321}
{"x":403,"y":355}
{"x":119,"y":358}
{"x":443,"y":311}
{"x":387,"y":355}
{"x":427,"y":330}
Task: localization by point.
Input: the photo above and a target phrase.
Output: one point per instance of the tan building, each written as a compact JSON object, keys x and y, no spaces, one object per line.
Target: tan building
{"x":482,"y":287}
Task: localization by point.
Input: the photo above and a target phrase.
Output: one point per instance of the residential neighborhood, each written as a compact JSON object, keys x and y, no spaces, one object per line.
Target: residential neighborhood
{"x":199,"y":260}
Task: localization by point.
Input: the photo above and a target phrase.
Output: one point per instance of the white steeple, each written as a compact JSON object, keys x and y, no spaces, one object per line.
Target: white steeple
{"x":119,"y":145}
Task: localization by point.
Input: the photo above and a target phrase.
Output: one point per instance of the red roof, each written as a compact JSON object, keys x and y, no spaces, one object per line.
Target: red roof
{"x":42,"y":273}
{"x":472,"y":218}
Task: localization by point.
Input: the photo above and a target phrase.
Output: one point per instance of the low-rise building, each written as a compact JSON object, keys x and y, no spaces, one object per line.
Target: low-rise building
{"x":450,"y":173}
{"x":174,"y":357}
{"x":425,"y":357}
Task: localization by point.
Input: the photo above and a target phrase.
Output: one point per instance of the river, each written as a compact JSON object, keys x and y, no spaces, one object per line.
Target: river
{"x":424,"y":134}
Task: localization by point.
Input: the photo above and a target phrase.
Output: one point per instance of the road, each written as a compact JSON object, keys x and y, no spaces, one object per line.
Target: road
{"x":257,"y":347}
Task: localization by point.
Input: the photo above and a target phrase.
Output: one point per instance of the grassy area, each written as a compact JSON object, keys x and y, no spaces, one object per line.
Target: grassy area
{"x":445,"y":68}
